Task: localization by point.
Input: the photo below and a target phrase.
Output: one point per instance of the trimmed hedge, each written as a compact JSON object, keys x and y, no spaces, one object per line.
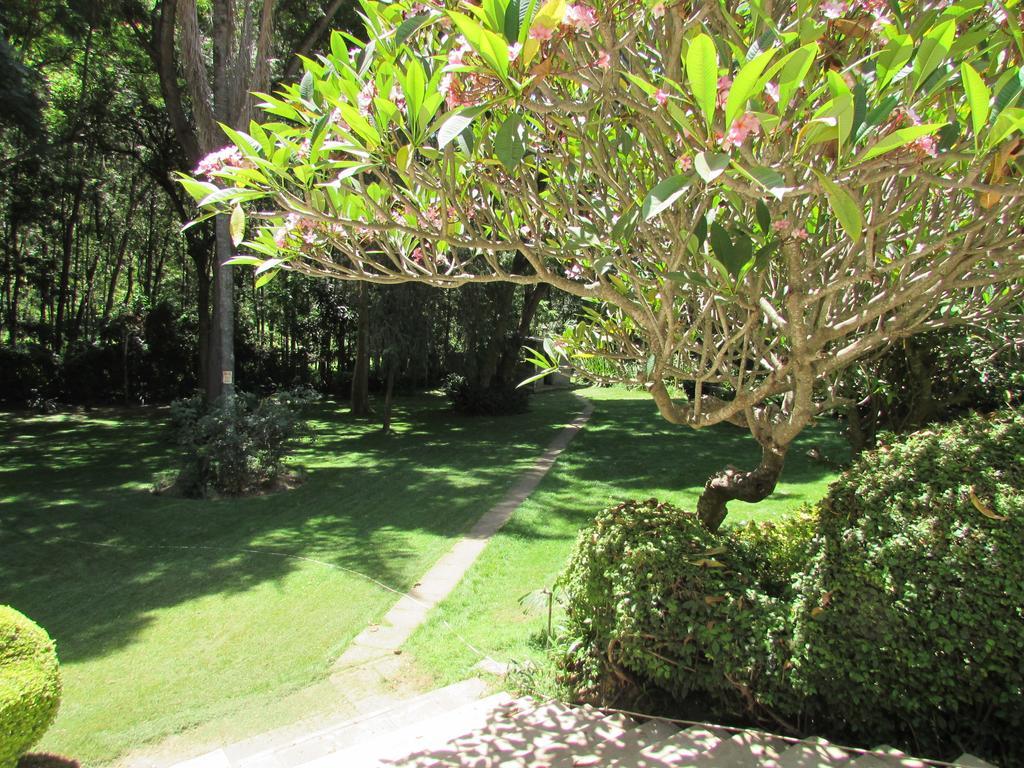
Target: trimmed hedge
{"x":656,"y":601}
{"x":30,"y":685}
{"x":895,"y":614}
{"x":909,"y":625}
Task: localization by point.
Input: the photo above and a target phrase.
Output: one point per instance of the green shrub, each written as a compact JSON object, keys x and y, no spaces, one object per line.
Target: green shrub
{"x":238,"y":444}
{"x":497,"y":400}
{"x":656,"y":602}
{"x":47,"y":760}
{"x":908,"y":627}
{"x":30,"y":685}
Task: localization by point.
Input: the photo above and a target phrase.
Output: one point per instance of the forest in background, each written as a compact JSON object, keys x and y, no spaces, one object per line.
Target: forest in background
{"x":105,"y":299}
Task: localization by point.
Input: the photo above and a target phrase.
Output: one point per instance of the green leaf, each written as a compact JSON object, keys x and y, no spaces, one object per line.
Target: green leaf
{"x":933,"y":50}
{"x":408,"y":27}
{"x":265,"y":278}
{"x":978,"y":98}
{"x":764,"y":216}
{"x":199,"y":190}
{"x":843,"y":206}
{"x":491,"y":46}
{"x":733,"y":254}
{"x":893,"y":59}
{"x":770,"y":179}
{"x":898,"y":139}
{"x":306,"y":87}
{"x":1007,"y":89}
{"x":710,"y":165}
{"x":237,"y":225}
{"x":1010,"y":120}
{"x":625,"y":225}
{"x":454,"y":123}
{"x":702,"y":74}
{"x":513,"y":18}
{"x":745,"y":85}
{"x":268,"y":265}
{"x":243,"y":261}
{"x":509,"y":143}
{"x":663,"y":195}
{"x":793,"y":68}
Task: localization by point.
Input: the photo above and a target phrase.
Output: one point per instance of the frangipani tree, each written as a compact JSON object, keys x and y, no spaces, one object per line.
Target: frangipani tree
{"x":752,"y":195}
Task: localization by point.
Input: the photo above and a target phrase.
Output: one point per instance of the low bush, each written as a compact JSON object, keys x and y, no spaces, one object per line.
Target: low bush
{"x":30,"y":686}
{"x":47,"y":760}
{"x":892,"y":614}
{"x":656,"y":602}
{"x":238,"y":444}
{"x":491,"y":401}
{"x":909,"y":625}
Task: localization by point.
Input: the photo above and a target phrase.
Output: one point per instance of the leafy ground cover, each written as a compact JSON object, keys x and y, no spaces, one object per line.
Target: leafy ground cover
{"x":627,"y":451}
{"x":181,"y":612}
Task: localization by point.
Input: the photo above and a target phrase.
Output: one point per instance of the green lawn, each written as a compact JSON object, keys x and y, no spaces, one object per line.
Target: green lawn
{"x":199,"y":611}
{"x":627,"y":451}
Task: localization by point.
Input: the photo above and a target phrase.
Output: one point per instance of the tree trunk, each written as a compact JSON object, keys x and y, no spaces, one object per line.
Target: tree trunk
{"x":389,"y":388}
{"x":510,"y":358}
{"x":735,"y":485}
{"x":67,"y":248}
{"x":220,"y":380}
{"x":361,"y":372}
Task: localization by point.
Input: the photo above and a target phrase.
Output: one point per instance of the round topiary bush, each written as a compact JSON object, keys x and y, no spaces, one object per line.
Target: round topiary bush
{"x":30,"y":685}
{"x":47,"y":760}
{"x":909,"y":623}
{"x":656,"y":603}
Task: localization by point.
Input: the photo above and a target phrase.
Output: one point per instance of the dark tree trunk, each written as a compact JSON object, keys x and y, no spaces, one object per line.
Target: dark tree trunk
{"x":361,"y":372}
{"x":220,"y":381}
{"x":531,"y":303}
{"x":389,"y":388}
{"x":736,"y":485}
{"x":67,"y":248}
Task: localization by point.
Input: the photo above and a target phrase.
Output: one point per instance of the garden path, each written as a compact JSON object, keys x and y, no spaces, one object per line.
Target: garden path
{"x":371,"y":666}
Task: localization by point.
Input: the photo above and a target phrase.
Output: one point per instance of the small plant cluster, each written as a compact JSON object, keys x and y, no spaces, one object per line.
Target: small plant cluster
{"x":485,"y":401}
{"x":892,"y":614}
{"x":238,"y":444}
{"x":30,"y":685}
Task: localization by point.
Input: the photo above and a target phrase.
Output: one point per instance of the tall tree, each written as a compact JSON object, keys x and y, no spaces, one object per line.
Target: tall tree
{"x":752,"y":196}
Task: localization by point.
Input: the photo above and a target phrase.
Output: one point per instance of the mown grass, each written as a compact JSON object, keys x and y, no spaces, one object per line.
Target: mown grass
{"x":627,"y":451}
{"x":176,"y":612}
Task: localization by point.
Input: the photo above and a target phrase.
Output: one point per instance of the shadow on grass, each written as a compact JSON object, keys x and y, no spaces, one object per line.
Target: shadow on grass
{"x":84,"y":478}
{"x":73,"y":478}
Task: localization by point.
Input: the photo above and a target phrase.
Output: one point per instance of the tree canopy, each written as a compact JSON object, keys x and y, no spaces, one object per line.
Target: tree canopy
{"x":752,"y":196}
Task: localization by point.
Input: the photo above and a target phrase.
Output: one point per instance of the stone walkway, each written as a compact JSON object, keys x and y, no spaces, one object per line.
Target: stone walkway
{"x":378,"y":645}
{"x":372,"y":663}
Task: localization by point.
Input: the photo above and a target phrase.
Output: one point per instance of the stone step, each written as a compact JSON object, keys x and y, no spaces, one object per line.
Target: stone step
{"x":302,"y":742}
{"x":967,"y":760}
{"x":885,"y":756}
{"x":814,"y":753}
{"x":547,"y":734}
{"x":745,"y":749}
{"x":678,"y":749}
{"x":404,"y":743}
{"x":621,"y":747}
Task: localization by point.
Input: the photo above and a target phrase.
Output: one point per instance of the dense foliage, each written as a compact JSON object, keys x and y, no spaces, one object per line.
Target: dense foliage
{"x":893,"y":615}
{"x":238,"y":444}
{"x":753,"y":197}
{"x":30,"y":686}
{"x":654,"y":599}
{"x":909,"y":625}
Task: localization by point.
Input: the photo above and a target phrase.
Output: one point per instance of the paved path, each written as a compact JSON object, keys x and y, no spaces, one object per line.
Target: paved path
{"x":376,"y":646}
{"x":370,"y":670}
